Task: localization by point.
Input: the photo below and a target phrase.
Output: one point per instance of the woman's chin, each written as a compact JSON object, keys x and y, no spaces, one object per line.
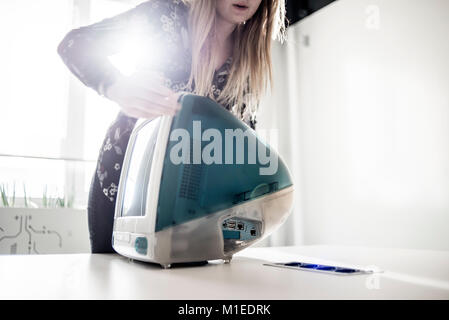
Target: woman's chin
{"x":237,"y":20}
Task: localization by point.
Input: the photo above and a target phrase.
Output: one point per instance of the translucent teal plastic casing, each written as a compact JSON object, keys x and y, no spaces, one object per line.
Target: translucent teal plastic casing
{"x":190,"y":191}
{"x":229,"y":190}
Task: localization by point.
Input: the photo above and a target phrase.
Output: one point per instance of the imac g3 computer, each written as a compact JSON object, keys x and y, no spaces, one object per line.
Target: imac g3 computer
{"x":189,"y":192}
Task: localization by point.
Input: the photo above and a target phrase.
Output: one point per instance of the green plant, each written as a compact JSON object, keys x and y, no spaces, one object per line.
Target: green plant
{"x":56,"y":201}
{"x":45,"y":198}
{"x":4,"y":195}
{"x":6,"y":200}
{"x":13,"y":201}
{"x":70,"y":202}
{"x":60,"y":202}
{"x":25,"y":199}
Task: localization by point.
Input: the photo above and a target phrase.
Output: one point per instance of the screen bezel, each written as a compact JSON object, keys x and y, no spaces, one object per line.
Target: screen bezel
{"x":142,"y":150}
{"x":143,"y":224}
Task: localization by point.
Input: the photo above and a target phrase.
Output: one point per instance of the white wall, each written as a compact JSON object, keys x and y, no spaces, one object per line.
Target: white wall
{"x":272,"y":116}
{"x":367,"y":110}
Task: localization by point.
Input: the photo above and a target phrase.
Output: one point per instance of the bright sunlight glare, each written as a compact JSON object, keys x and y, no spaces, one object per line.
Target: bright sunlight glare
{"x":127,"y":60}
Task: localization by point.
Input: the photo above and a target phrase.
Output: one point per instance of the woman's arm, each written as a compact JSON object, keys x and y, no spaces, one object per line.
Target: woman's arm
{"x":85,"y":52}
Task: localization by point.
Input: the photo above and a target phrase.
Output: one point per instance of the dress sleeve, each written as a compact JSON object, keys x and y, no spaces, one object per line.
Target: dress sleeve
{"x":253,"y":122}
{"x":249,"y":110}
{"x":85,"y":50}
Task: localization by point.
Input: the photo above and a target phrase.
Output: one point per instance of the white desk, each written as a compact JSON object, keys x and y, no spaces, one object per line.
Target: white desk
{"x":408,"y":274}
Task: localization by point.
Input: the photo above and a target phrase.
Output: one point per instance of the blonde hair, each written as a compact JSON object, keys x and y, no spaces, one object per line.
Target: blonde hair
{"x":251,"y":68}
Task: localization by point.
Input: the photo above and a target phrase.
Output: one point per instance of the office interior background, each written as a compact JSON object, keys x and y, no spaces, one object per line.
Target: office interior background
{"x":360,"y":105}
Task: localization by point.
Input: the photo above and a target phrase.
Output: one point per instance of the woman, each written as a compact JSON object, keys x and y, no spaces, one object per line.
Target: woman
{"x":214,"y":48}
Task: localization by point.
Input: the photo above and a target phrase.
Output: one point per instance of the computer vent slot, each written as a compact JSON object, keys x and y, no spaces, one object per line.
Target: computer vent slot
{"x":191,"y":178}
{"x":190,"y":181}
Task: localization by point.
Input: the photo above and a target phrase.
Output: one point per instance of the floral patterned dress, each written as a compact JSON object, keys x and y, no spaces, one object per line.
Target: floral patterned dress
{"x":160,"y":28}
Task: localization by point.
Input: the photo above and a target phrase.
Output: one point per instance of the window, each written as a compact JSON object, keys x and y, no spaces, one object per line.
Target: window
{"x":51,"y":126}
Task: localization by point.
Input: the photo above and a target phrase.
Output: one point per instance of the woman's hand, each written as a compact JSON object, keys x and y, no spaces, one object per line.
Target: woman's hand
{"x":143,"y":95}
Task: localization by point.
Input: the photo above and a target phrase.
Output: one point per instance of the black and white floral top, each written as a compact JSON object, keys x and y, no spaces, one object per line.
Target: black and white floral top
{"x":160,"y":27}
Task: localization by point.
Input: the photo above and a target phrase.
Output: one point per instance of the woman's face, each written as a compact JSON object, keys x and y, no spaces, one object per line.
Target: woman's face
{"x":237,"y":11}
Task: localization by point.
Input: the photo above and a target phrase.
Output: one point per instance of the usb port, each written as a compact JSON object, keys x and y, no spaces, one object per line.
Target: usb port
{"x":231,"y":224}
{"x":240,"y":226}
{"x":253,"y":232}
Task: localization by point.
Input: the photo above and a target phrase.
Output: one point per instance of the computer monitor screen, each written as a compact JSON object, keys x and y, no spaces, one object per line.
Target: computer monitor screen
{"x":138,"y":174}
